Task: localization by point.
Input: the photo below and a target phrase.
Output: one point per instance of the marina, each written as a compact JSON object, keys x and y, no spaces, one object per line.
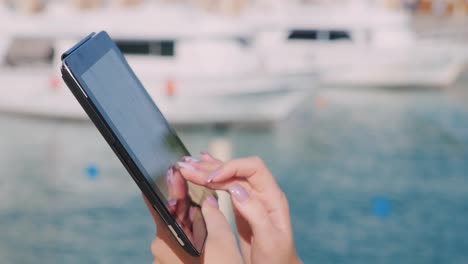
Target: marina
{"x":366,"y":136}
{"x":362,"y":46}
{"x":174,"y":64}
{"x":273,"y":60}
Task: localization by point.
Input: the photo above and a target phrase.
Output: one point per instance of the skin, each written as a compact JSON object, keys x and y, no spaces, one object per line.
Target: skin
{"x":182,"y":209}
{"x":261,"y":212}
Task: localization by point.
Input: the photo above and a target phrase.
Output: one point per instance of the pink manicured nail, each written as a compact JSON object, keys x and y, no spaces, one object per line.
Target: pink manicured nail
{"x":212,"y":175}
{"x":170,"y":176}
{"x":207,"y":154}
{"x":186,"y":165}
{"x":190,"y":159}
{"x":212,"y":201}
{"x":238,"y":192}
{"x":171,"y":202}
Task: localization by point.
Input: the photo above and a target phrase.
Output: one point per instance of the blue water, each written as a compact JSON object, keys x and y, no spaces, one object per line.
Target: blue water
{"x":371,"y":177}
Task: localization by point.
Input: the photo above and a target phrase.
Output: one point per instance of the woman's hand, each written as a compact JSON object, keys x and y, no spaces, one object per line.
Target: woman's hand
{"x":220,"y":245}
{"x":260,"y":207}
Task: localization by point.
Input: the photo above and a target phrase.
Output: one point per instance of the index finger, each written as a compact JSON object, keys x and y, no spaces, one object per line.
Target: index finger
{"x":253,"y":172}
{"x":253,"y":169}
{"x":176,"y":185}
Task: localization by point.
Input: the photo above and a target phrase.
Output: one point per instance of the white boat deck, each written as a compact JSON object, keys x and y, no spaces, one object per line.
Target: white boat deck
{"x":231,"y":70}
{"x":215,"y":78}
{"x":41,"y":98}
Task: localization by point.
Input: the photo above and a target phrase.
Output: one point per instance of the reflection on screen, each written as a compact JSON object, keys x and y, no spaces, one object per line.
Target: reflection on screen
{"x":142,"y":130}
{"x":140,"y":125}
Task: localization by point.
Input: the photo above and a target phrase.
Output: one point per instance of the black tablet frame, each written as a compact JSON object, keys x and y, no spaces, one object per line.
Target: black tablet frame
{"x":87,"y":52}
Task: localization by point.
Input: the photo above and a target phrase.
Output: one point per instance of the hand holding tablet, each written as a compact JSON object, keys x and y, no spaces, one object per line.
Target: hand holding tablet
{"x":178,"y":189}
{"x":261,"y":210}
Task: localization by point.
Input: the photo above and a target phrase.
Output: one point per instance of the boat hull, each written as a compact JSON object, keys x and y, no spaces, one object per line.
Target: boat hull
{"x":260,"y":100}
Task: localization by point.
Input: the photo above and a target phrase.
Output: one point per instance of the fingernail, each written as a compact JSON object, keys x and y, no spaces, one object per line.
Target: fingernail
{"x":212,"y":175}
{"x":186,"y":165}
{"x":190,"y":159}
{"x":171,"y":202}
{"x":212,"y":201}
{"x":207,"y":154}
{"x":238,"y":192}
{"x":170,"y":176}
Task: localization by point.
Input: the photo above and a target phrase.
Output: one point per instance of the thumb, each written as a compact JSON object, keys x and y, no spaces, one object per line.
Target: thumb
{"x":221,"y":245}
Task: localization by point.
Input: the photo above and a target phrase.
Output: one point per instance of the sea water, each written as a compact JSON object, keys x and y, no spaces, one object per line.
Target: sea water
{"x":372,"y":176}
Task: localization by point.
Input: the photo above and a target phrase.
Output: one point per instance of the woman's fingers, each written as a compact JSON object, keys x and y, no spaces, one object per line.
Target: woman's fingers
{"x":217,"y":225}
{"x":194,"y":175}
{"x":176,"y":184}
{"x":198,"y":177}
{"x":254,"y":171}
{"x":221,"y":245}
{"x":165,"y":248}
{"x":204,"y":164}
{"x":252,"y":168}
{"x":207,"y":166}
{"x":205,"y":156}
{"x":177,"y":203}
{"x":252,"y":210}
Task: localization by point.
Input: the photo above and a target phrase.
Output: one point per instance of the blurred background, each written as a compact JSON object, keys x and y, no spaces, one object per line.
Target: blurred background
{"x":360,"y":109}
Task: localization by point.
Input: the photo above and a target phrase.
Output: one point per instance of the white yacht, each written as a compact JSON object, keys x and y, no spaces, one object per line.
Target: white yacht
{"x":358,"y":45}
{"x":199,"y":68}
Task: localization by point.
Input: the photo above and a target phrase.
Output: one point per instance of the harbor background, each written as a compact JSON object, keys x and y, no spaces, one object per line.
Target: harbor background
{"x":372,"y":176}
{"x":375,"y":176}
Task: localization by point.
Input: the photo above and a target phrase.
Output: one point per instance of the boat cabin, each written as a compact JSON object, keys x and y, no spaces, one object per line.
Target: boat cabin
{"x":319,"y":35}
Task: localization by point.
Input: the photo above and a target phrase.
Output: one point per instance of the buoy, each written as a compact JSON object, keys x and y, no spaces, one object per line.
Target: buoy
{"x":170,"y":88}
{"x":381,"y":207}
{"x":92,"y":171}
{"x":320,"y":103}
{"x":54,"y":83}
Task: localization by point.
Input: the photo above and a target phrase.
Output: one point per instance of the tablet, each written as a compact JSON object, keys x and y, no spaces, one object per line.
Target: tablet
{"x":115,"y":100}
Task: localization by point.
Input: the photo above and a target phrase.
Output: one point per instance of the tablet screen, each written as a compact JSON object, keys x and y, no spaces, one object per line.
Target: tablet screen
{"x":138,"y":122}
{"x":141,"y":128}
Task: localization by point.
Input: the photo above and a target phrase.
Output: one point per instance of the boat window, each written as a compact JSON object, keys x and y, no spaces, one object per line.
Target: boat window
{"x":156,"y":48}
{"x":243,"y":41}
{"x":302,"y":34}
{"x":339,"y":35}
{"x":30,"y":52}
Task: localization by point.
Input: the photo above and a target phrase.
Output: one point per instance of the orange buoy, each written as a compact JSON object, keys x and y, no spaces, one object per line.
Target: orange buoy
{"x":170,"y":87}
{"x":54,"y":83}
{"x":320,"y":103}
